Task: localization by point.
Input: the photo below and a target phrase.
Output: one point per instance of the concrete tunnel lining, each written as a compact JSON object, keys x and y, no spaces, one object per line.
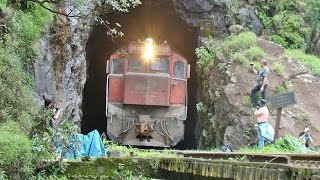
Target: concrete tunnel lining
{"x":157,"y":20}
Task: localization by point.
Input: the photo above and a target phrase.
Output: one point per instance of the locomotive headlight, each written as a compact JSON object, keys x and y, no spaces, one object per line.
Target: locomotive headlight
{"x":149,"y":48}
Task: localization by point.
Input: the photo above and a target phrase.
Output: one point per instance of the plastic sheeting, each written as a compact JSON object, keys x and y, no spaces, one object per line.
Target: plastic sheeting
{"x":90,"y":146}
{"x":270,"y":131}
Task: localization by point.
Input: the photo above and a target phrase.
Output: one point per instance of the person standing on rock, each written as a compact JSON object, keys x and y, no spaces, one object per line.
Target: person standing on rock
{"x":306,"y":137}
{"x":262,"y":116}
{"x":262,"y":83}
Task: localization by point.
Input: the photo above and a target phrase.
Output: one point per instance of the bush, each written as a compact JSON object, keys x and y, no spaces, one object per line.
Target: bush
{"x":254,"y":53}
{"x":278,"y":68}
{"x":280,"y":89}
{"x":239,"y":57}
{"x":27,"y":26}
{"x":279,"y":40}
{"x":283,"y":21}
{"x":206,"y":54}
{"x":18,"y":111}
{"x":239,"y":42}
{"x":15,"y":151}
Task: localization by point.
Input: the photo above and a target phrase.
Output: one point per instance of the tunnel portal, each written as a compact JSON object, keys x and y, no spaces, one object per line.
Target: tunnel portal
{"x":151,"y":19}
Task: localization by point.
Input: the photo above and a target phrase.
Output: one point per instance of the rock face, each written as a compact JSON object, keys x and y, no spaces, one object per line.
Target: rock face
{"x":60,"y":73}
{"x":193,"y":11}
{"x":233,"y":122}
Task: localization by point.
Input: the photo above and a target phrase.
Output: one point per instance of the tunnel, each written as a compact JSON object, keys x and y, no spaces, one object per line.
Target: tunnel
{"x":156,"y":19}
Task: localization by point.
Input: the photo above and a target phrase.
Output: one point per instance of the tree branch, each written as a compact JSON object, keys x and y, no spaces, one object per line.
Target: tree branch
{"x":41,"y":3}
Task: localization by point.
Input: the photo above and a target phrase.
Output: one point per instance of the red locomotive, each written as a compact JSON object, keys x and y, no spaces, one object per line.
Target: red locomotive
{"x":146,"y":95}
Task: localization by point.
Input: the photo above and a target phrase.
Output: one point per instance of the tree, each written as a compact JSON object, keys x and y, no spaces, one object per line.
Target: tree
{"x":86,"y":8}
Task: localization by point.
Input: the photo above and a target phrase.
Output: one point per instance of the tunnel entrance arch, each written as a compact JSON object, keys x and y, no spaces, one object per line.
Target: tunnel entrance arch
{"x":151,"y":19}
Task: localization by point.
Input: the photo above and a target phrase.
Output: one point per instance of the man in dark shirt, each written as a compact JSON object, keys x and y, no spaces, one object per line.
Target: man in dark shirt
{"x":306,"y":137}
{"x":262,"y":83}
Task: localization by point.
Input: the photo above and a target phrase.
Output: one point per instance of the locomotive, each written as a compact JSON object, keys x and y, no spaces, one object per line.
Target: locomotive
{"x":146,"y":94}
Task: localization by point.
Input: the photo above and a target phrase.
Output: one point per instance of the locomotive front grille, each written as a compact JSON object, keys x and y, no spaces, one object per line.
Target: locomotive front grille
{"x":147,"y":89}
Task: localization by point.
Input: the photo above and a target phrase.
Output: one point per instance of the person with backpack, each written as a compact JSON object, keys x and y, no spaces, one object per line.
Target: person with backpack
{"x":306,"y":137}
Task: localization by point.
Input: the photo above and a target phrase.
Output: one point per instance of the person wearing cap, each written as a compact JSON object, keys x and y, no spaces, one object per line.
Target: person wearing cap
{"x":262,"y":82}
{"x":262,"y":116}
{"x":306,"y":137}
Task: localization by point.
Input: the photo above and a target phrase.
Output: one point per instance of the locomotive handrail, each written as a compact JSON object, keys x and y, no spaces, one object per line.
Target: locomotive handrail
{"x":107,"y":95}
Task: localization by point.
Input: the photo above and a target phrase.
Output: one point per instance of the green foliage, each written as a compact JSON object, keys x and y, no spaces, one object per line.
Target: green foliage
{"x":15,"y":97}
{"x":263,"y":9}
{"x":245,"y":101}
{"x":247,"y":56}
{"x":280,"y":89}
{"x":279,"y":40}
{"x":310,"y":61}
{"x":25,"y":27}
{"x":304,"y":116}
{"x":65,"y":136}
{"x":287,"y":144}
{"x":278,"y":68}
{"x":128,"y":151}
{"x":125,"y":174}
{"x":15,"y":151}
{"x":240,"y":57}
{"x":3,"y":175}
{"x":312,"y":16}
{"x":254,"y":53}
{"x":206,"y":54}
{"x":18,"y":112}
{"x":283,"y":22}
{"x":237,"y":43}
{"x":288,"y":26}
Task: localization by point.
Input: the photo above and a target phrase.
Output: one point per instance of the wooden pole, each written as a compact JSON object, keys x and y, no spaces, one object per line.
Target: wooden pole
{"x":276,"y":128}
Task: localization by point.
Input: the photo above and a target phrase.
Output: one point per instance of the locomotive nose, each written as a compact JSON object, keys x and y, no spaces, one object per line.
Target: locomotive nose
{"x":147,"y":89}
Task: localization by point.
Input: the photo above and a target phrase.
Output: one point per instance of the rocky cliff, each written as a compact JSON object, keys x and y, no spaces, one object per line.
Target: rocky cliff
{"x":61,"y":71}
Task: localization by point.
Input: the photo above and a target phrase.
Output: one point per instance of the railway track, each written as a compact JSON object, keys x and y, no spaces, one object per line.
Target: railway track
{"x":292,"y":159}
{"x":235,"y":165}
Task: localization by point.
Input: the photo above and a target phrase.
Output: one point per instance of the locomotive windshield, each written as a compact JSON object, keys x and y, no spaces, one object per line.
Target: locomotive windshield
{"x":178,"y":69}
{"x":117,"y":66}
{"x":157,"y":64}
{"x":160,"y":64}
{"x":136,"y":63}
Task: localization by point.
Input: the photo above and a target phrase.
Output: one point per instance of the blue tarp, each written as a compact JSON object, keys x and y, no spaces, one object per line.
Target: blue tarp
{"x":90,"y":146}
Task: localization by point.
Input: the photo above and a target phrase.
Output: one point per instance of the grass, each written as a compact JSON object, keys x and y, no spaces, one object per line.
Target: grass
{"x":304,"y":116}
{"x":254,"y":53}
{"x":280,"y":89}
{"x":310,"y":61}
{"x":239,"y":42}
{"x":278,"y":68}
{"x":287,"y":144}
{"x":126,"y":151}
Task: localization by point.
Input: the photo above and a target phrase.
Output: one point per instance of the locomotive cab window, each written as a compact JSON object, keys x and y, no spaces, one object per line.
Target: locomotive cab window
{"x":178,"y":70}
{"x":117,"y":66}
{"x":135,"y":63}
{"x":160,"y":64}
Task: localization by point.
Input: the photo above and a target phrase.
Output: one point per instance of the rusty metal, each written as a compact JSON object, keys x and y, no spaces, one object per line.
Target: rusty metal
{"x":242,"y":166}
{"x":144,"y":129}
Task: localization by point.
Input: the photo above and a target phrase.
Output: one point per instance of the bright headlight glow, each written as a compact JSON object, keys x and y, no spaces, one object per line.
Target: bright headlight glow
{"x":148,"y":50}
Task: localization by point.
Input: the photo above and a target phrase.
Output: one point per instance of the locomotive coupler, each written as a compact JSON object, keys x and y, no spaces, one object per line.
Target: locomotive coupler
{"x":144,"y":130}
